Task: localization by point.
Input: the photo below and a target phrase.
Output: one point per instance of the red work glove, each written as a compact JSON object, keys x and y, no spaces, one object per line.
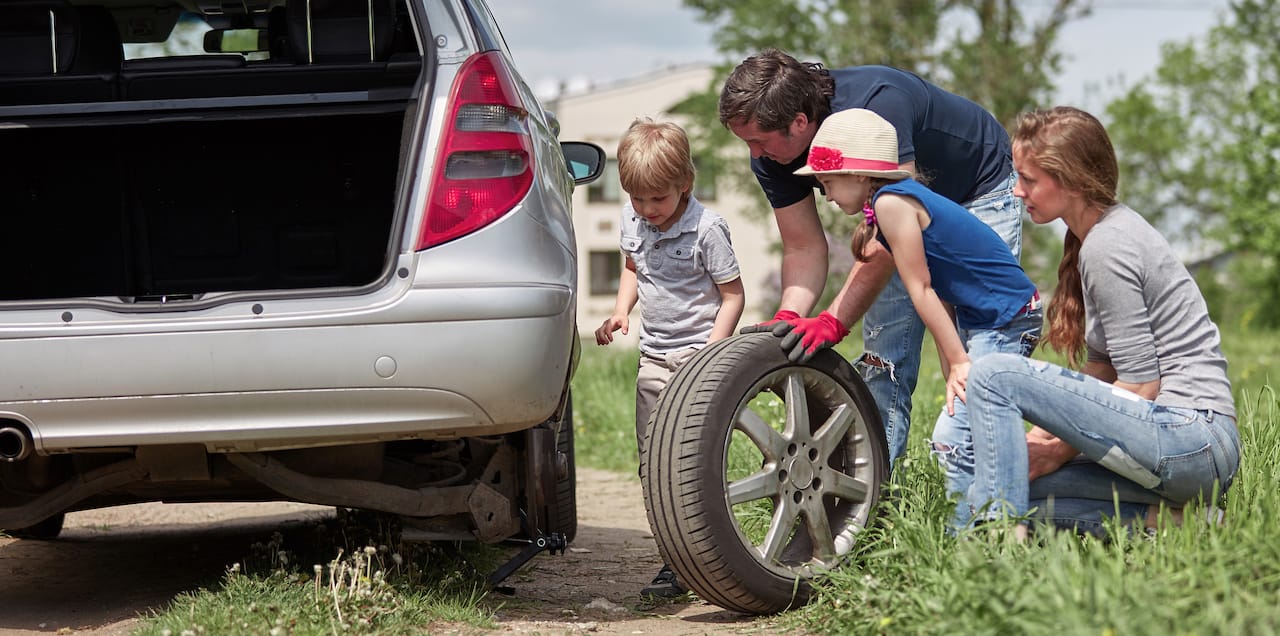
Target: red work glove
{"x":809,"y":335}
{"x":779,"y":326}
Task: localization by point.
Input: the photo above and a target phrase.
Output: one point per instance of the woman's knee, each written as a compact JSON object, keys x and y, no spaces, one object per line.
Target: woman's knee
{"x":985,"y":369}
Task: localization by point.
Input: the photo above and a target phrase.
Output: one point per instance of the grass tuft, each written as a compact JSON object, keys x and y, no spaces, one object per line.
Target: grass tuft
{"x":370,"y":589}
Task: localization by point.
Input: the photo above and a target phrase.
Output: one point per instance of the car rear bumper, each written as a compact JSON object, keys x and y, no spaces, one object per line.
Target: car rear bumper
{"x":419,"y":365}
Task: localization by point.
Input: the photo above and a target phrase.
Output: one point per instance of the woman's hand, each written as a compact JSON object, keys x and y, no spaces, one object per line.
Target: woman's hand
{"x":1046,"y":453}
{"x":957,"y":379}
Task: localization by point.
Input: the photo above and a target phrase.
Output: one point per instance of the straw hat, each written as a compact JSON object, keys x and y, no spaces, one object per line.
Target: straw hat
{"x":855,"y":141}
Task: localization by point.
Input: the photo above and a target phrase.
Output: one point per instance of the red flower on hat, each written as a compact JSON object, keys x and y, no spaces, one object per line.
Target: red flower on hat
{"x":823,"y":158}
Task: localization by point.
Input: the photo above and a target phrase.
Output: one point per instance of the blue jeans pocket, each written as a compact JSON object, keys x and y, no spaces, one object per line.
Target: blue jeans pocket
{"x":1187,"y":476}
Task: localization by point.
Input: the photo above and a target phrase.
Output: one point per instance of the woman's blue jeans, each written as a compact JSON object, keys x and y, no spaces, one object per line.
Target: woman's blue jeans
{"x":1135,"y":450}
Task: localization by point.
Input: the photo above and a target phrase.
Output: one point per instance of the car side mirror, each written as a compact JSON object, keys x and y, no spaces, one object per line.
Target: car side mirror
{"x":585,"y":160}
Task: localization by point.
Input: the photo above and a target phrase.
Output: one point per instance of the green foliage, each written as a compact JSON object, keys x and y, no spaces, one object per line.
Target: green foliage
{"x":838,"y":32}
{"x":910,"y":577}
{"x":987,"y":51}
{"x":604,"y":407}
{"x":1197,"y":145}
{"x":907,"y":576}
{"x":1006,"y":66}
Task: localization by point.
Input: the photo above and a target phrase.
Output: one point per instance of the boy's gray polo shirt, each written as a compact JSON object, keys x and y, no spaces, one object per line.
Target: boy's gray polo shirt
{"x":677,"y":272}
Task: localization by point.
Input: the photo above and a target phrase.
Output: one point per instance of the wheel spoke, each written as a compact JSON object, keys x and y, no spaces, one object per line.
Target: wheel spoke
{"x":848,"y":488}
{"x":780,"y":527}
{"x":768,"y":440}
{"x":758,"y":486}
{"x":797,"y":428}
{"x":819,"y":527}
{"x":831,"y":435}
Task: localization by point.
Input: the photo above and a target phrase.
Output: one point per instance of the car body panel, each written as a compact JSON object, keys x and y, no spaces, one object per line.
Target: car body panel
{"x":471,"y":339}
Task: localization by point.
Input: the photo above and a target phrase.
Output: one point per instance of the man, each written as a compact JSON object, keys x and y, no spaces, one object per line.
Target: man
{"x":775,"y":104}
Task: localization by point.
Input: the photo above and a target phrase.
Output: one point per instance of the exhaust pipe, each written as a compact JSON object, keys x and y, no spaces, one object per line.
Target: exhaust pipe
{"x":15,"y":444}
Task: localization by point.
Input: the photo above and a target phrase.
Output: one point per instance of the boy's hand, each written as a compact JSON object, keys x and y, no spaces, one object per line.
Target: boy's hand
{"x":779,"y":326}
{"x":809,"y":335}
{"x":604,"y":335}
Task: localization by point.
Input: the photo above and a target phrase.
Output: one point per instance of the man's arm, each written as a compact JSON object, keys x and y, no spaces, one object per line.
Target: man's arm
{"x":804,"y":255}
{"x":865,"y":282}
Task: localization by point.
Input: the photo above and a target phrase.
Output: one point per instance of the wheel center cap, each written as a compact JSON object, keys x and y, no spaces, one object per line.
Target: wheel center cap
{"x":801,"y":473}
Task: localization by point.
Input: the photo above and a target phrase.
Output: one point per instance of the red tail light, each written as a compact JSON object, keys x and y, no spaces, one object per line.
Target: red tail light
{"x":483,"y":168}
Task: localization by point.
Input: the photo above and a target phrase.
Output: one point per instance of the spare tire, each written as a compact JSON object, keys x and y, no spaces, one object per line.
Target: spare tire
{"x":759,"y":473}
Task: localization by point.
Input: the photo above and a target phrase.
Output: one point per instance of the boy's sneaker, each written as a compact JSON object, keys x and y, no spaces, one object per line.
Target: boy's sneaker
{"x":664,"y":585}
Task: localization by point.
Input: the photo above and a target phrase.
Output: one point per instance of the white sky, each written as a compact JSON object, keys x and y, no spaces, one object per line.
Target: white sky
{"x":576,"y":43}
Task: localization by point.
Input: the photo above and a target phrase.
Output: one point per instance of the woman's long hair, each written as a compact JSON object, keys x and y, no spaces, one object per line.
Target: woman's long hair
{"x":1073,"y":148}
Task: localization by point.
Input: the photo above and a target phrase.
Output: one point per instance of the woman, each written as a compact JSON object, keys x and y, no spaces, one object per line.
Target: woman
{"x":1150,"y":419}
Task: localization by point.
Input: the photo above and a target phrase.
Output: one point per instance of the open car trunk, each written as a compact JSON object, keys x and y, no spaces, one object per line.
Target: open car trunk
{"x":170,"y":177}
{"x":175,"y":209}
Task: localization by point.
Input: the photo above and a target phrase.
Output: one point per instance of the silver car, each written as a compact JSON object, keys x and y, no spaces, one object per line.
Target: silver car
{"x":306,"y":250}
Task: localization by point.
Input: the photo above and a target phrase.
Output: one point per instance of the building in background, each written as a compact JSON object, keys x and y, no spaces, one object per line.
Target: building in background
{"x":601,"y":115}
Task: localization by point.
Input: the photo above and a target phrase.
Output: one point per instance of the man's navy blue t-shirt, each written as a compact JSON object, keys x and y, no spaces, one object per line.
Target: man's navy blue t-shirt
{"x":960,"y":149}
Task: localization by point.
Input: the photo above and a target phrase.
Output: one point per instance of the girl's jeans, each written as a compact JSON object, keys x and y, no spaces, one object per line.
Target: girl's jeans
{"x":952,"y":440}
{"x":1142,"y":451}
{"x":892,"y":331}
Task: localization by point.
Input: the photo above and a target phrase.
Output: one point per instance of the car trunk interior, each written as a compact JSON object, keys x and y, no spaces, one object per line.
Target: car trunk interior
{"x":171,"y":209}
{"x":165,"y":178}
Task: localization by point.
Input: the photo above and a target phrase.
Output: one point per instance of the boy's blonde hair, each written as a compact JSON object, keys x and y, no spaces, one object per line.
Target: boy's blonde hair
{"x":654,"y":156}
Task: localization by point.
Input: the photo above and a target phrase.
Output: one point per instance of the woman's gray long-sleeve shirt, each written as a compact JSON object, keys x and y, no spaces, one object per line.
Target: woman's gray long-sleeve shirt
{"x":1145,"y":315}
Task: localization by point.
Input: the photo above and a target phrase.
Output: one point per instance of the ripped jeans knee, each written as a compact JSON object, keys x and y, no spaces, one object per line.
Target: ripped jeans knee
{"x":952,"y":459}
{"x":952,"y":447}
{"x":869,"y":365}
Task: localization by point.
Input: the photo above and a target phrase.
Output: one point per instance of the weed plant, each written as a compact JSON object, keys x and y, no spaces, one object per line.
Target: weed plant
{"x":373,"y":584}
{"x":908,"y":576}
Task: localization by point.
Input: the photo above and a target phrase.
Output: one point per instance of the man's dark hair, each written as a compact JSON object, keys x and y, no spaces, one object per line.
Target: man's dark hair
{"x":772,"y":87}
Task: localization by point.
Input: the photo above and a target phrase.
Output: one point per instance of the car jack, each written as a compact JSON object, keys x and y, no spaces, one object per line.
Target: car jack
{"x":552,"y":543}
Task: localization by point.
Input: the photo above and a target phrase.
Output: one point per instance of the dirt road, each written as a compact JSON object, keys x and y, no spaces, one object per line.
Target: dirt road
{"x":109,"y":566}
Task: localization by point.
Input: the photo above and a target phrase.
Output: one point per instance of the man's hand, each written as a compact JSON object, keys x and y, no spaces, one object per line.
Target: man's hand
{"x":809,"y":335}
{"x":779,"y":326}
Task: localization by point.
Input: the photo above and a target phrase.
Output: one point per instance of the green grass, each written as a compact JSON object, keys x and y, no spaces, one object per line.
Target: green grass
{"x":908,"y":576}
{"x":604,"y":408}
{"x":363,"y":586}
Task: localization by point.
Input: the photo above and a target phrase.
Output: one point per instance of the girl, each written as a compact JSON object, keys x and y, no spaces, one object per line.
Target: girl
{"x":1150,"y":419}
{"x":967,"y":287}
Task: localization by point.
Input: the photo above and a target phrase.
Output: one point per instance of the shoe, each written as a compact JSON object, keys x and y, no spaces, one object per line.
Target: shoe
{"x":664,"y":585}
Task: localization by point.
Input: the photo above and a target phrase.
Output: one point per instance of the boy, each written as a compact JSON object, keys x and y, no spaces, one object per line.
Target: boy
{"x":680,"y":266}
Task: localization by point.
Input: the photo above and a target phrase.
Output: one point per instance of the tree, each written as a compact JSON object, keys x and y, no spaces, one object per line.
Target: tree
{"x":988,"y":53}
{"x":1199,"y":148}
